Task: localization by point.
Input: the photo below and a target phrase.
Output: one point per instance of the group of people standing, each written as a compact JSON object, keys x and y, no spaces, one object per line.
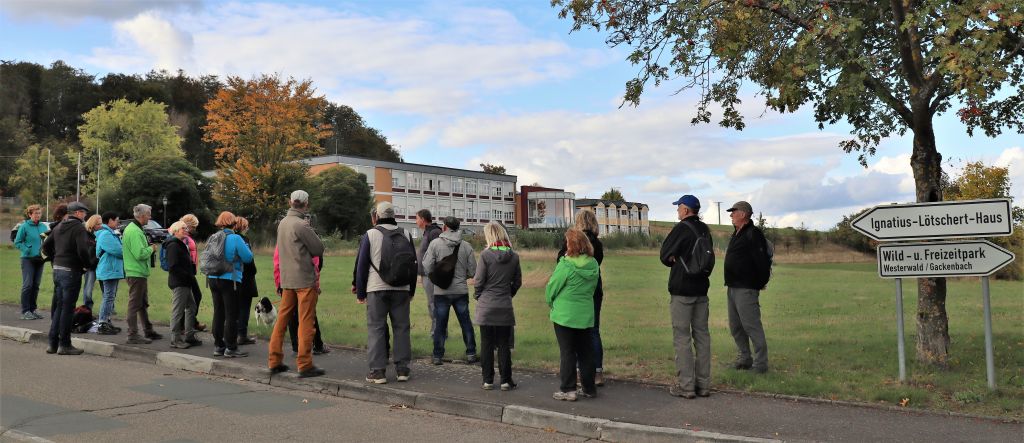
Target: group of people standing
{"x":387,"y":270}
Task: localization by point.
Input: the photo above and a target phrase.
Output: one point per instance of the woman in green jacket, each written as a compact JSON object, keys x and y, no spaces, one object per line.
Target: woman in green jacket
{"x":28,"y":241}
{"x":570,"y":295}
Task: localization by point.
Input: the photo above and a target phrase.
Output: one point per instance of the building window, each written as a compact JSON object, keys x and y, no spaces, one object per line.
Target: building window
{"x":413,"y":180}
{"x":471,"y":186}
{"x":457,"y":185}
{"x":394,"y":182}
{"x":442,"y":184}
{"x":497,"y":189}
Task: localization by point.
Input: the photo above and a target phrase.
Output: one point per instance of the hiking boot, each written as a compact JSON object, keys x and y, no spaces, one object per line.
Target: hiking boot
{"x":678,"y":391}
{"x":583,"y":394}
{"x":138,"y":340}
{"x":29,"y":316}
{"x":508,"y":386}
{"x":152,"y":335}
{"x":403,"y":374}
{"x":321,"y":351}
{"x":37,"y":315}
{"x":279,"y":369}
{"x":564,"y":396}
{"x":488,"y":386}
{"x":235,"y":353}
{"x":599,"y":379}
{"x":69,"y":350}
{"x":703,"y":392}
{"x":742,"y":366}
{"x":759,"y":369}
{"x":312,"y":372}
{"x":52,"y":349}
{"x":218,"y":351}
{"x":192,"y":341}
{"x":243,"y":340}
{"x":179,"y":344}
{"x":472,"y":359}
{"x":377,"y":376}
{"x":436,"y":361}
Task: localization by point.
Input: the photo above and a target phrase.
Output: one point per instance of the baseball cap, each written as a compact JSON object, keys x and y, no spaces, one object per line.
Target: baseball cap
{"x":688,"y":200}
{"x":741,"y":206}
{"x":77,"y":206}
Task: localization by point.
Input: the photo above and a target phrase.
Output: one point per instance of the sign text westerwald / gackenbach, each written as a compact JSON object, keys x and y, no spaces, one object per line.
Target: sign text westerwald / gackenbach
{"x":941,"y":259}
{"x":922,"y":221}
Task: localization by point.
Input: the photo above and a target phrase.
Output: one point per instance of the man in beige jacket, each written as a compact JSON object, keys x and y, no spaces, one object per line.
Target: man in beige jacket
{"x":297,"y":244}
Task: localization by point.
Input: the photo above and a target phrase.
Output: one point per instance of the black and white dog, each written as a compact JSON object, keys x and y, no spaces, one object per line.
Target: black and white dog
{"x":266,"y":313}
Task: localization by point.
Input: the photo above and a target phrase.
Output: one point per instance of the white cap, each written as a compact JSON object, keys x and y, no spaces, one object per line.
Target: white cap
{"x":300,"y":196}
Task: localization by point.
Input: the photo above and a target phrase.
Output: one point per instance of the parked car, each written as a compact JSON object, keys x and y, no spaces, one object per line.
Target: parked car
{"x":155,"y":233}
{"x":14,"y":230}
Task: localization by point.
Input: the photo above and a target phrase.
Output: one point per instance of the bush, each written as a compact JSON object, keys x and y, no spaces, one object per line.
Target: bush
{"x":631,"y":240}
{"x":843,"y":234}
{"x":529,"y":239}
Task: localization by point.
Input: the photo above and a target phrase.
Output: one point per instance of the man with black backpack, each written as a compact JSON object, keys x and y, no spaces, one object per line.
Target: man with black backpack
{"x":448,"y":263}
{"x":747,"y":270}
{"x":385,"y":283}
{"x":690,"y":252}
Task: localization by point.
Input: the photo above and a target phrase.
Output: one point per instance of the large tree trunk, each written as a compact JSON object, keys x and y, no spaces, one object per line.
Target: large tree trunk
{"x":932,"y":321}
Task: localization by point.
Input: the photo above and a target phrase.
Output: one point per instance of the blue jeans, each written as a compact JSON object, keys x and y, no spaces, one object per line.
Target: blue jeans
{"x":62,"y":309}
{"x":31,"y":275}
{"x":87,"y":286}
{"x":441,"y":311}
{"x":109,"y":288}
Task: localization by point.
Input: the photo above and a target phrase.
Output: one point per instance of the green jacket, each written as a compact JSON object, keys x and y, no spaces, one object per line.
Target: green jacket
{"x":570,"y":292}
{"x":136,"y":251}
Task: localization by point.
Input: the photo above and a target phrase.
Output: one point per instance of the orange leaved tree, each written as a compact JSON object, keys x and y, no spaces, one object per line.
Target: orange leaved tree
{"x":262,"y":128}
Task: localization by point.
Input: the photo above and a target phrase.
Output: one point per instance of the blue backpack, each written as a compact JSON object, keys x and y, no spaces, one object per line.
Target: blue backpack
{"x":163,"y":254}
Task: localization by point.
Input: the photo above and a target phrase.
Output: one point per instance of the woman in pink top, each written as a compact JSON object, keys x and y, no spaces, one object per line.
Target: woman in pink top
{"x":192,"y":225}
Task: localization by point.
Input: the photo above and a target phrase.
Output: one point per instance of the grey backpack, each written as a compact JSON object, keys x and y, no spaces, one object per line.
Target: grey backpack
{"x":212,"y":261}
{"x":702,"y":258}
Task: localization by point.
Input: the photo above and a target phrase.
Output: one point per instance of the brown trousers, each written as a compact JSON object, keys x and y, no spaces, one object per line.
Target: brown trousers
{"x":301,"y":302}
{"x":138,"y":302}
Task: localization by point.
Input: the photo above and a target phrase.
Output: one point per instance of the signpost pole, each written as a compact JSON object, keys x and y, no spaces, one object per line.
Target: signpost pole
{"x":990,"y":364}
{"x":899,"y":329}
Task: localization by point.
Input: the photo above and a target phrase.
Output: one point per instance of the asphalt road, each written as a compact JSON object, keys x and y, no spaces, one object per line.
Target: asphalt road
{"x":89,"y":398}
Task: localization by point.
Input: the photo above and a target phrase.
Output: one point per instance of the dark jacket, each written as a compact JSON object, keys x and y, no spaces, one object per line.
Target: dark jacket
{"x":598,"y":255}
{"x":679,"y":244}
{"x":746,"y":259}
{"x":431,"y":232}
{"x":248,"y":286}
{"x":181,"y":271}
{"x":71,"y":245}
{"x":498,"y":278}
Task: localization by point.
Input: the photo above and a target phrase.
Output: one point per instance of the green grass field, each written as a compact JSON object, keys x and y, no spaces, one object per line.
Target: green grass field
{"x":831,"y":330}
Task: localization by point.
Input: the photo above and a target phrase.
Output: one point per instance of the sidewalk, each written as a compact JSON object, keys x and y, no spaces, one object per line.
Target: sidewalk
{"x":447,"y":388}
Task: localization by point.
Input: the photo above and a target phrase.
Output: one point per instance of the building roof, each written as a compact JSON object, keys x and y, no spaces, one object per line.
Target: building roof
{"x":587,"y":202}
{"x":411,"y":167}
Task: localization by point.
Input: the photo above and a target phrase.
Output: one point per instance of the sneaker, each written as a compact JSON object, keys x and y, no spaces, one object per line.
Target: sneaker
{"x":243,"y":340}
{"x":508,"y":386}
{"x":279,"y":369}
{"x":37,"y":315}
{"x":564,"y":396}
{"x":471,"y":359}
{"x":583,"y":394}
{"x":51,"y":349}
{"x":138,"y":340}
{"x":235,"y":353}
{"x":599,"y":379}
{"x":488,"y":386}
{"x":436,"y":361}
{"x":152,"y":335}
{"x":192,"y":341}
{"x":178,"y":344}
{"x":69,"y":350}
{"x":742,"y":366}
{"x":218,"y":352}
{"x":321,"y":351}
{"x":312,"y":372}
{"x":403,"y":374}
{"x":106,"y":329}
{"x":759,"y":369}
{"x":678,"y":391}
{"x":29,"y":316}
{"x":377,"y":376}
{"x":703,"y":392}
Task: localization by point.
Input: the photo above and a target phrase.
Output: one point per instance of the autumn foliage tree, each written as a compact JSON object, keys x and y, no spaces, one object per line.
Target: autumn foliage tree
{"x":886,"y":68}
{"x":261,"y":129}
{"x":978,"y":181}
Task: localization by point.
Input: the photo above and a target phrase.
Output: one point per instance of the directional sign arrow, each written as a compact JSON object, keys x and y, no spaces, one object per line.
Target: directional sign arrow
{"x":941,"y":259}
{"x":922,"y":221}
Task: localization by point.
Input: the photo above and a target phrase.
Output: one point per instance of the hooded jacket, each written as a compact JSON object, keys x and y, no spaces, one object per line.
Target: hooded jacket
{"x":237,"y":253}
{"x":431,"y":232}
{"x":498,"y":277}
{"x":110,"y":254}
{"x":27,"y":239}
{"x":679,"y":244}
{"x":465,"y":266}
{"x":181,"y":271}
{"x":598,"y":255}
{"x":71,"y":245}
{"x":368,"y":261}
{"x":570,"y":292}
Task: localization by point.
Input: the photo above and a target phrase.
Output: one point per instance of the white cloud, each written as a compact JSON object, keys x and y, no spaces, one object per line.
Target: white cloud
{"x":759,"y":168}
{"x":161,"y":43}
{"x":666,"y":185}
{"x":1013,"y":159}
{"x":68,"y":11}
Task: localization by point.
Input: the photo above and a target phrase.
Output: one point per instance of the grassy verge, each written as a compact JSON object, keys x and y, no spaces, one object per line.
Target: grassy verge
{"x":831,"y":330}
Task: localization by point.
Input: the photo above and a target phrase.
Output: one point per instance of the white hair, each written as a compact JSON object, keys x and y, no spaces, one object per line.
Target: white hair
{"x":142,"y":209}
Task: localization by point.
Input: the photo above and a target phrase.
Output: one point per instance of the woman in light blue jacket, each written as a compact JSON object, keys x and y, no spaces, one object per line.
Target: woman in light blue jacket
{"x":27,"y":241}
{"x":225,"y":290}
{"x":110,"y":269}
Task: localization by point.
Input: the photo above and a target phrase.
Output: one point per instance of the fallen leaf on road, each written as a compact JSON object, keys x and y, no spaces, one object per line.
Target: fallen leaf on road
{"x":399,"y":407}
{"x":549,"y":429}
{"x":905,"y":402}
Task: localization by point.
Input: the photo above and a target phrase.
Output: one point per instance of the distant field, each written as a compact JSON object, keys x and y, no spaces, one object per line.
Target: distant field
{"x":830,"y":329}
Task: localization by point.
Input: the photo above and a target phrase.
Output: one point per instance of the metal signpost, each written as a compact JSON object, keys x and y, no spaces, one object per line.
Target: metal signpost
{"x":918,"y":221}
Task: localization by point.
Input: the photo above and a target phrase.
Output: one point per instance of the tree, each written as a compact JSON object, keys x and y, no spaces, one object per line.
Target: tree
{"x":803,"y":236}
{"x":844,"y":234}
{"x":120,"y":132}
{"x":351,"y":136}
{"x":263,"y":128}
{"x":978,"y":181}
{"x":31,"y":172}
{"x":341,"y":199}
{"x":614,"y":195}
{"x":885,"y":67}
{"x":492,"y":169}
{"x":158,"y":175}
{"x":15,"y":137}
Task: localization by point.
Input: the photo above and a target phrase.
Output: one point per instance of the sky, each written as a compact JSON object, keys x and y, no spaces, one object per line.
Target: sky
{"x":456,"y":83}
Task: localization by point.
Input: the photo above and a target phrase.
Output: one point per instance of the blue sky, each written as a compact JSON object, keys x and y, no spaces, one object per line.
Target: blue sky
{"x":455,"y":83}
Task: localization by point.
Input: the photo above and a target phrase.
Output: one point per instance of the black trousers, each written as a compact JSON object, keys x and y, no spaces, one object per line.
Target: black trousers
{"x":225,"y":313}
{"x":500,"y":338}
{"x":244,"y":309}
{"x":293,"y":328}
{"x":576,"y":348}
{"x":197,"y":295}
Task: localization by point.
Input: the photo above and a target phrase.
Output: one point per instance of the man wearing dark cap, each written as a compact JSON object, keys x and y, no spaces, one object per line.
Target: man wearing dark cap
{"x":69,"y":246}
{"x":688,"y":303}
{"x":747,"y":268}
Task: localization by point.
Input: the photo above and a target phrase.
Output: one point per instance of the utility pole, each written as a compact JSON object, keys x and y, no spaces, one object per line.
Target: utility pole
{"x":98,"y":180}
{"x":48,"y":183}
{"x":718,"y":205}
{"x":78,"y":179}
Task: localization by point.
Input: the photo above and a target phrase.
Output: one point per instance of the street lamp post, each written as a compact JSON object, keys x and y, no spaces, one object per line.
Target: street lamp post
{"x":165,"y":211}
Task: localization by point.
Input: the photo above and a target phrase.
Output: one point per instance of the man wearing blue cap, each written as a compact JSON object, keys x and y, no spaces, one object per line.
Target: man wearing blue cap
{"x":689,"y":251}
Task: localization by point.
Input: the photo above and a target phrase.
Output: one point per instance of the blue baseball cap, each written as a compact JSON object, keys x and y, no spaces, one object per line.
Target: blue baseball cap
{"x":688,"y":200}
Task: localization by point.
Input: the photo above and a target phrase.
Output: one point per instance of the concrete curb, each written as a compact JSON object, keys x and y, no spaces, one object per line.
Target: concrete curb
{"x":594,"y":428}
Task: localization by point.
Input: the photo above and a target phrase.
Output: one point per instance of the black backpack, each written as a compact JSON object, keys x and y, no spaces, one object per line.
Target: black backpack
{"x":397,"y":258}
{"x":444,"y":272}
{"x":702,"y":257}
